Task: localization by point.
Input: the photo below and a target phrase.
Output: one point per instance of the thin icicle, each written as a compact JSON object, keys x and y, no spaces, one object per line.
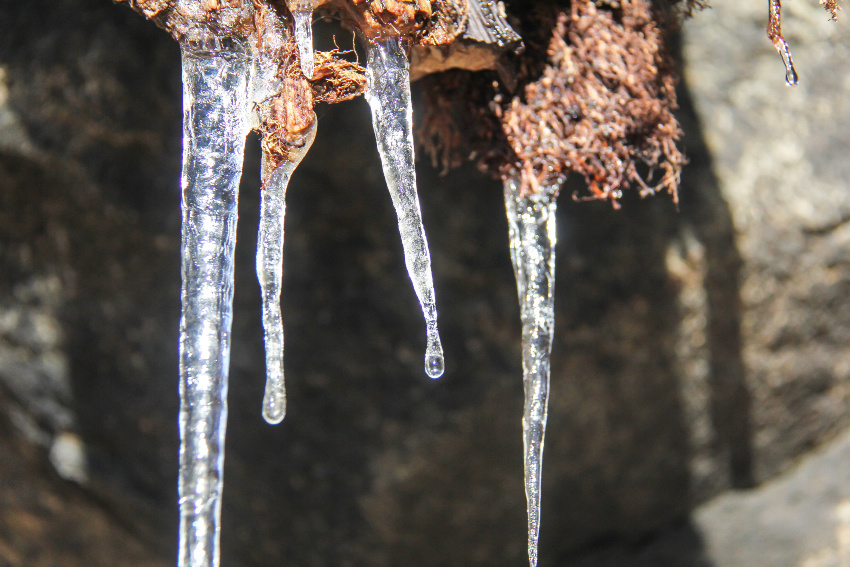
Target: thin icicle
{"x":302,"y":12}
{"x":388,"y":93}
{"x":270,"y":270}
{"x":774,"y":33}
{"x":531,"y":227}
{"x":214,"y":129}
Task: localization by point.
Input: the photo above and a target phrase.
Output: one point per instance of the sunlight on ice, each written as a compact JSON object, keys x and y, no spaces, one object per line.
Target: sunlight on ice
{"x":302,"y":13}
{"x":276,"y":172}
{"x":270,"y":272}
{"x":388,"y":93}
{"x":531,"y":229}
{"x":215,"y":102}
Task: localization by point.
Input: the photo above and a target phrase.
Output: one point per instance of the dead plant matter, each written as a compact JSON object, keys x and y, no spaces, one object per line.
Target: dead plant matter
{"x":832,"y":7}
{"x":601,"y":106}
{"x":286,"y":117}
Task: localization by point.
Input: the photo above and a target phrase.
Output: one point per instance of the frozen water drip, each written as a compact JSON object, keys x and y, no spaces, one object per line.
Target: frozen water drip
{"x":532,"y":236}
{"x":215,"y":101}
{"x":388,"y":93}
{"x":270,"y":270}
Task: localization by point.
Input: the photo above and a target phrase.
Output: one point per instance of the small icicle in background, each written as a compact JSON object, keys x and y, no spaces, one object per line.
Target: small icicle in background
{"x":774,"y":33}
{"x":532,"y":236}
{"x":388,"y":93}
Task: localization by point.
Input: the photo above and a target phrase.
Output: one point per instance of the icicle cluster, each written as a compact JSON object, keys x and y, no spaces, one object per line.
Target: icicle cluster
{"x":228,"y":89}
{"x":532,"y":234}
{"x":222,"y":86}
{"x":232,"y":85}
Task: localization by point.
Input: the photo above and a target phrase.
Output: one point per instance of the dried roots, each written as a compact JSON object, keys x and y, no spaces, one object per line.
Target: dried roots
{"x":601,"y":106}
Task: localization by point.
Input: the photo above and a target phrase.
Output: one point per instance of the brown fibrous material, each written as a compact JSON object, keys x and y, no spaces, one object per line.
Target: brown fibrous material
{"x":601,"y":106}
{"x":832,"y":7}
{"x":378,"y":20}
{"x":336,"y":79}
{"x":286,"y":117}
{"x":198,"y":20}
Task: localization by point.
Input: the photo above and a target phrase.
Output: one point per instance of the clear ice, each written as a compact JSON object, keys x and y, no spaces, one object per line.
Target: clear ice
{"x":388,"y":93}
{"x":774,"y":32}
{"x":265,"y":84}
{"x":531,"y":229}
{"x":215,"y":100}
{"x":302,"y":12}
{"x":265,"y":51}
{"x":270,"y":271}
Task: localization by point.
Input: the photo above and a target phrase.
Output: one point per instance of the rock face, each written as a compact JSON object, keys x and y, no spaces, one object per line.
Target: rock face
{"x":695,"y":350}
{"x":779,"y":159}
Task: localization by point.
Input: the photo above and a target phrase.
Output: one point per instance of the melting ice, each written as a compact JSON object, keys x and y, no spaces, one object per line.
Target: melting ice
{"x":774,"y":32}
{"x":388,"y":93}
{"x":221,"y":83}
{"x":270,"y":271}
{"x":275,"y":176}
{"x":215,"y":101}
{"x":531,"y":229}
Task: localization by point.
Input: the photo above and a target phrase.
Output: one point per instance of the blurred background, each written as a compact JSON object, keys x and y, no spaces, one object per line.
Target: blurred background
{"x":700,"y":373}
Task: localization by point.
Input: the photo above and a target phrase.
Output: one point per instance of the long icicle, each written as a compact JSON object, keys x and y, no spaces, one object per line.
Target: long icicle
{"x":531,"y":228}
{"x":214,"y":130}
{"x":267,"y":94}
{"x":270,"y":269}
{"x":388,"y":93}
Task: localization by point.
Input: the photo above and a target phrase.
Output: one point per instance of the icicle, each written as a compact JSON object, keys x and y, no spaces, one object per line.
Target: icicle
{"x":302,"y":12}
{"x":531,"y":227}
{"x":388,"y":93}
{"x":270,"y":270}
{"x":774,"y":33}
{"x":265,"y":53}
{"x":214,"y":129}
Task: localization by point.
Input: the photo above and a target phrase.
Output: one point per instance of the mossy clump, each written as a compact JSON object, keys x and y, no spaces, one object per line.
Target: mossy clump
{"x":595,"y":94}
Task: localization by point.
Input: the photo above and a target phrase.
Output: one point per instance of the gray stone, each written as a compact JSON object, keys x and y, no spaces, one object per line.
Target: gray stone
{"x":801,"y":519}
{"x":779,"y":154}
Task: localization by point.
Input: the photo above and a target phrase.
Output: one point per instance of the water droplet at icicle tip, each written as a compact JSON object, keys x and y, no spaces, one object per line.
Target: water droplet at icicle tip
{"x":388,"y":94}
{"x":787,"y":59}
{"x":791,"y":78}
{"x":274,"y":404}
{"x":435,"y":364}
